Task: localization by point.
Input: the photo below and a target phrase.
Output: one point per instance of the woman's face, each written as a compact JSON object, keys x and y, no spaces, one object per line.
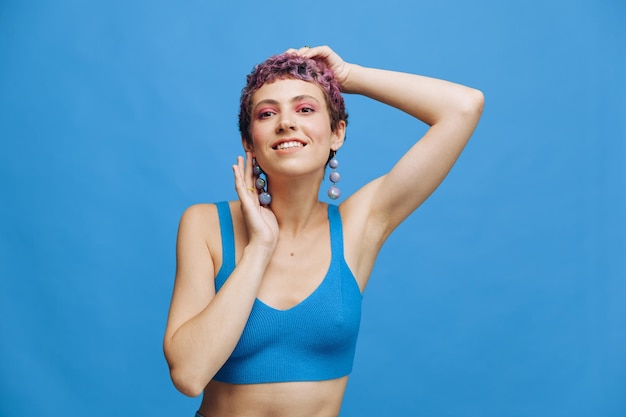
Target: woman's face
{"x":290,"y":128}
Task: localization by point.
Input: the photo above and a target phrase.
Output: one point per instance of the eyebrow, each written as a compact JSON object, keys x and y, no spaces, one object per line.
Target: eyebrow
{"x":293,"y":100}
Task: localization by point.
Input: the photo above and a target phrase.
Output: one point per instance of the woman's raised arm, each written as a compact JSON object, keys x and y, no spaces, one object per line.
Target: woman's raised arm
{"x":451,"y":110}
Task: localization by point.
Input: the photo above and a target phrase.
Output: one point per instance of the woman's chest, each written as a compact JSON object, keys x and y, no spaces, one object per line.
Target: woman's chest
{"x":296,"y":270}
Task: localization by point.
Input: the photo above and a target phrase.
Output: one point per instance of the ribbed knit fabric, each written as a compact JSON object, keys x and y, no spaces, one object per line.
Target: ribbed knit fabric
{"x":312,"y":341}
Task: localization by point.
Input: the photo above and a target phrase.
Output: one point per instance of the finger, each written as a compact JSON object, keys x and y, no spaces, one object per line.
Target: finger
{"x":307,"y":51}
{"x":249,"y":172}
{"x":237,"y":172}
{"x":303,"y":51}
{"x":240,"y":183}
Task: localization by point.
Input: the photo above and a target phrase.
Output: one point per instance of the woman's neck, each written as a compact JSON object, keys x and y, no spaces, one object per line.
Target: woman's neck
{"x":296,"y":205}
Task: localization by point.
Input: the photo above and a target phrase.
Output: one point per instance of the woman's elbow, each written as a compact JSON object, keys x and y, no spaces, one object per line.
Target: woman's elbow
{"x":474,"y":103}
{"x":187,"y":384}
{"x":468,"y":108}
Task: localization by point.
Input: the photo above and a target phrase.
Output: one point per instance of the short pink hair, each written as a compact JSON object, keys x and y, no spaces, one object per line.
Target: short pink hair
{"x":292,"y":66}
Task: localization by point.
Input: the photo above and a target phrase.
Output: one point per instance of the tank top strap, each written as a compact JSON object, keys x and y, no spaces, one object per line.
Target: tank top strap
{"x":228,"y":243}
{"x":336,"y":232}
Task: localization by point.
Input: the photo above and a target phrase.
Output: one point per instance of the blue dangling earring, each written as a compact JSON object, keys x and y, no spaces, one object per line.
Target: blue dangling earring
{"x":264,"y":197}
{"x":334,"y":177}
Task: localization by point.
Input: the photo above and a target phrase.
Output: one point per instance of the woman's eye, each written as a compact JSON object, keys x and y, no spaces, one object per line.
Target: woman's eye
{"x":265,"y":114}
{"x":306,"y":109}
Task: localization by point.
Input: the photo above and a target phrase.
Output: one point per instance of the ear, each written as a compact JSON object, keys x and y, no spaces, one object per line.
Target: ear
{"x":246,"y":146}
{"x":338,"y":136}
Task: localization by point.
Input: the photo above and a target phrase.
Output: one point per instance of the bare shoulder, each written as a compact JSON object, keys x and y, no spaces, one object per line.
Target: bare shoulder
{"x":199,"y":214}
{"x":201,"y":222}
{"x":196,"y":236}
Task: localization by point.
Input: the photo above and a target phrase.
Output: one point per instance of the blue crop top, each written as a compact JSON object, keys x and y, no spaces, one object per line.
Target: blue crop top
{"x":312,"y":341}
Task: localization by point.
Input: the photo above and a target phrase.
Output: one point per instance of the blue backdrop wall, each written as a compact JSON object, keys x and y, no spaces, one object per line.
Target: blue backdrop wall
{"x":502,"y":295}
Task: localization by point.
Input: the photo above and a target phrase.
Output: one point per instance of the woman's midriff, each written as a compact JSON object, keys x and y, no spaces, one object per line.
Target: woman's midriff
{"x":283,"y":399}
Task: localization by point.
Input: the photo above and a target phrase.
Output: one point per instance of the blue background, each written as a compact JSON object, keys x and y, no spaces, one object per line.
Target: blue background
{"x":503,"y":295}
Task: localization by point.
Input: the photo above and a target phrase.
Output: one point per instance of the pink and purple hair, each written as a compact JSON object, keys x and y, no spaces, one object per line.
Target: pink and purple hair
{"x":292,"y":66}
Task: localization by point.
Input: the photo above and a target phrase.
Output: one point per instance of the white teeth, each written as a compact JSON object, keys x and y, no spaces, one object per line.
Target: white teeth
{"x":290,"y":144}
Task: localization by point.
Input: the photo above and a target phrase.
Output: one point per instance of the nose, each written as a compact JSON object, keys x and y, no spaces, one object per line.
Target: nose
{"x":285,"y":123}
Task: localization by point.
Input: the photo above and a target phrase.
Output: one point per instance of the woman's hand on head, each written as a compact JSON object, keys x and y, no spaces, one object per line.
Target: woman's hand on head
{"x":340,"y":68}
{"x":260,"y":221}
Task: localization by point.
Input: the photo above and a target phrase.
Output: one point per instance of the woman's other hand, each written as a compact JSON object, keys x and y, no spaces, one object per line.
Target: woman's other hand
{"x":340,"y":68}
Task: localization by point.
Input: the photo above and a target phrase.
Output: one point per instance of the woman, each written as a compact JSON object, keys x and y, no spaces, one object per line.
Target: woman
{"x":266,"y":303}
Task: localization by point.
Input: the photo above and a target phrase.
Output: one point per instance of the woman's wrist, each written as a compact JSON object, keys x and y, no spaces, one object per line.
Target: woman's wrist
{"x":258,"y":252}
{"x":350,"y":83}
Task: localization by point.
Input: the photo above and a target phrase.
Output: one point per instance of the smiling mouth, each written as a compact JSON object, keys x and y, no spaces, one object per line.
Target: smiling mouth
{"x":289,"y":145}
